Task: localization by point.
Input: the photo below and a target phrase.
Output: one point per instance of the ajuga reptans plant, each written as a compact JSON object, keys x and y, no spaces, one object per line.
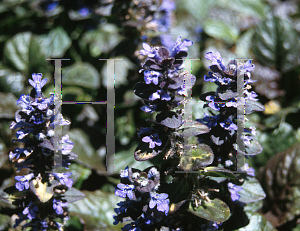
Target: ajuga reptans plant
{"x":41,"y":195}
{"x":192,"y":186}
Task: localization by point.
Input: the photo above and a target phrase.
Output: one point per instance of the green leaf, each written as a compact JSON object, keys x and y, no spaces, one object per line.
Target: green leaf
{"x":56,"y":43}
{"x":9,"y":195}
{"x":122,"y":66}
{"x":81,"y":74}
{"x":218,"y":172}
{"x":10,"y":81}
{"x":73,"y":94}
{"x":247,"y":7}
{"x":196,"y":156}
{"x":96,"y":210}
{"x":243,"y":44}
{"x":126,"y":158}
{"x":4,"y":221}
{"x":8,"y":105}
{"x":72,"y":195}
{"x":194,"y":128}
{"x":215,"y":210}
{"x":221,"y":30}
{"x":252,"y":191}
{"x":276,"y":44}
{"x":101,"y":40}
{"x":23,"y":53}
{"x":198,"y":8}
{"x":79,"y":173}
{"x":87,"y":156}
{"x":257,"y":223}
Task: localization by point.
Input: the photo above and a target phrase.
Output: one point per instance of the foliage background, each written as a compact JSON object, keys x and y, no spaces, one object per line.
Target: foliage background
{"x":265,"y":31}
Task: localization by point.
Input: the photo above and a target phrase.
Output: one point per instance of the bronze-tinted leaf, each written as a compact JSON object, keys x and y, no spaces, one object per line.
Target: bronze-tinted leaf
{"x":280,"y":179}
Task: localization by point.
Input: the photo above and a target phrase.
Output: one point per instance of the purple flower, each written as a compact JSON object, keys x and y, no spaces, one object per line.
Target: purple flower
{"x":123,"y":190}
{"x":145,"y":130}
{"x":214,"y":104}
{"x":148,"y":51}
{"x":18,"y":151}
{"x":153,"y":140}
{"x":160,"y":94}
{"x":84,"y":11}
{"x":251,"y":95}
{"x":25,"y":103}
{"x":250,"y":171}
{"x":161,"y":201}
{"x":149,"y":109}
{"x":148,"y":219}
{"x":248,"y":66}
{"x":43,"y":225}
{"x":37,"y":83}
{"x":133,"y":226}
{"x":151,"y":77}
{"x":153,"y":172}
{"x":234,"y":189}
{"x":57,"y":206}
{"x":217,"y":78}
{"x":21,"y":133}
{"x":23,"y":181}
{"x":51,"y":6}
{"x":247,"y":139}
{"x":228,"y":125}
{"x":209,"y":121}
{"x":124,"y":173}
{"x":124,"y":205}
{"x":30,"y":211}
{"x":180,"y":46}
{"x":63,"y":178}
{"x":166,"y":40}
{"x":67,"y":144}
{"x":216,"y":59}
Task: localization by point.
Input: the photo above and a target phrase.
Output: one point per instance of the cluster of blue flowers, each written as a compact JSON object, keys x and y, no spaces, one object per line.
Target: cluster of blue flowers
{"x":163,"y":90}
{"x":144,"y":205}
{"x":151,"y":195}
{"x":42,"y":201}
{"x":225,"y":103}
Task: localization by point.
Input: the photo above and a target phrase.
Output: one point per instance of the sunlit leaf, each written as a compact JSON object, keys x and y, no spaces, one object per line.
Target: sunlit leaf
{"x":193,"y":128}
{"x":81,"y":74}
{"x":96,"y":210}
{"x":218,"y":172}
{"x":221,"y":30}
{"x":42,"y":190}
{"x":257,"y":222}
{"x":196,"y":156}
{"x":252,"y":191}
{"x":215,"y":210}
{"x":23,"y":53}
{"x":72,"y":195}
{"x":143,"y":152}
{"x":55,"y":43}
